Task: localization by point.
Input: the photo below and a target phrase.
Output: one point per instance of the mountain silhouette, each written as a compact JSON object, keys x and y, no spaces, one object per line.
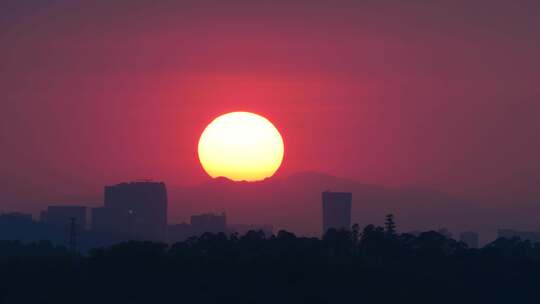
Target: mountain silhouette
{"x":294,"y":203}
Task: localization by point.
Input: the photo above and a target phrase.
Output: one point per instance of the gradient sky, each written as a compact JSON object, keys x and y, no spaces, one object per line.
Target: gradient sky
{"x":438,"y":94}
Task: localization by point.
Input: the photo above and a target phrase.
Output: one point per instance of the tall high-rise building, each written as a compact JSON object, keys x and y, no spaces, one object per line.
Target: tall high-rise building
{"x":470,"y":238}
{"x":136,"y":210}
{"x":336,"y":210}
{"x":60,"y":216}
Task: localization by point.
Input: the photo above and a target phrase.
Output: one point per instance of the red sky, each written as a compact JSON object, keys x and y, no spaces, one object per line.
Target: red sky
{"x":435,"y":94}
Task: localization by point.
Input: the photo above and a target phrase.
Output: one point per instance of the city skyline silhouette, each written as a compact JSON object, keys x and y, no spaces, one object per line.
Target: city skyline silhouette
{"x":301,"y":151}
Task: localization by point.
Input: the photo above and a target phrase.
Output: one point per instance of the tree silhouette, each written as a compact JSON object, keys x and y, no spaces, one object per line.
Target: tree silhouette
{"x":343,"y":266}
{"x":389,"y":225}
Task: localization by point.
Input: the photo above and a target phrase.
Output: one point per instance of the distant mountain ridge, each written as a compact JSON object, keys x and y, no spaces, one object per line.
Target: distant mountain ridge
{"x":294,"y":203}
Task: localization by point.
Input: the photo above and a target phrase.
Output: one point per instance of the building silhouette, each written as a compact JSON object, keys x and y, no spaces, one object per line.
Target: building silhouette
{"x":199,"y":224}
{"x":179,"y":232}
{"x":17,"y":226}
{"x":136,"y":210}
{"x":103,"y":220}
{"x":533,"y":236}
{"x":208,"y":222}
{"x":60,"y":217}
{"x":336,"y":210}
{"x":22,"y":227}
{"x":212,"y":223}
{"x":470,"y":238}
{"x":16,"y":217}
{"x":242,"y":229}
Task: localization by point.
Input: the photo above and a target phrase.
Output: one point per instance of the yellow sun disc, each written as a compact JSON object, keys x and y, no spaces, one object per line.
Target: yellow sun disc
{"x":241,"y":146}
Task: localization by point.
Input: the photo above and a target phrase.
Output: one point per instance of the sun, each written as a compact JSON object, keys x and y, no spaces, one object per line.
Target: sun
{"x":241,"y":146}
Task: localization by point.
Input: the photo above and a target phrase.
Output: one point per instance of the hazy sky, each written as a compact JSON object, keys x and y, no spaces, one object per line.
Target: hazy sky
{"x":439,"y":94}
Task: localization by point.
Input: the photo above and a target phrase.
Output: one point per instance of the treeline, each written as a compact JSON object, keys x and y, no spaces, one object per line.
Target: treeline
{"x":373,"y":265}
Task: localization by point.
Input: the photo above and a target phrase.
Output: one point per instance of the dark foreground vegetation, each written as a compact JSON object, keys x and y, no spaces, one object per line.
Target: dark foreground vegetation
{"x":375,"y":265}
